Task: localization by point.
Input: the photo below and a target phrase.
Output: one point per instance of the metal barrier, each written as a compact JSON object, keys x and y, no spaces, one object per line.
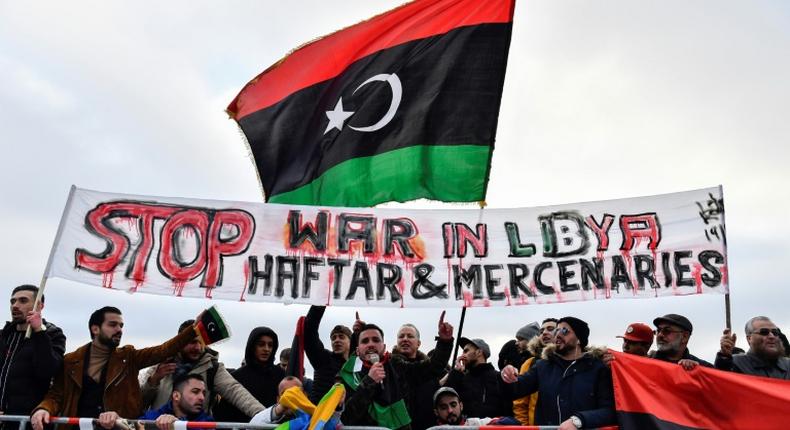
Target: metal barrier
{"x":23,"y":419}
{"x":496,"y":427}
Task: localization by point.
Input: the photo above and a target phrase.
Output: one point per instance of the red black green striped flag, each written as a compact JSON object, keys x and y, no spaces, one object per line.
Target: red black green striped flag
{"x":211,"y":326}
{"x":653,"y":394}
{"x":296,"y":361}
{"x":399,"y":107}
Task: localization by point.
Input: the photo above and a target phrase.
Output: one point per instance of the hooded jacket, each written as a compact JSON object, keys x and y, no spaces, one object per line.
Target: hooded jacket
{"x":260,"y":379}
{"x":27,"y":366}
{"x":582,"y":388}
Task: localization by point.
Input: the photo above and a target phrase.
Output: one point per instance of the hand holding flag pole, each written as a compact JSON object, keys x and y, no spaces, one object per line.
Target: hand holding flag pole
{"x":43,"y":284}
{"x":36,"y":303}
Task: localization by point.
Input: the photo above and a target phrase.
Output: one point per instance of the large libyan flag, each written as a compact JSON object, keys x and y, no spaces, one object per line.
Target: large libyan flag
{"x":399,"y":107}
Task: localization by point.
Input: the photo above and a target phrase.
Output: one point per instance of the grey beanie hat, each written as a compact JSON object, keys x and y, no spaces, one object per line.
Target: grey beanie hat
{"x":528,"y":331}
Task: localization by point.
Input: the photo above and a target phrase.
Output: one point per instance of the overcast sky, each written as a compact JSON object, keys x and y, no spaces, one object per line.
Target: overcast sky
{"x":602,"y":100}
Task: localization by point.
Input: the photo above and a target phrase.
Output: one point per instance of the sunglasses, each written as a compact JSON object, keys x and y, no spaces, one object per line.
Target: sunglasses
{"x":666,"y":331}
{"x":562,"y":331}
{"x":766,"y":331}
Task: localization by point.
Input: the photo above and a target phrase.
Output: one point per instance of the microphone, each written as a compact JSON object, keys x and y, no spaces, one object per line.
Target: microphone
{"x":374,"y":358}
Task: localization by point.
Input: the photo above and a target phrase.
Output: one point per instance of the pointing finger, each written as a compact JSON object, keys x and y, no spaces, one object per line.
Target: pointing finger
{"x":357,"y":315}
{"x":441,"y":318}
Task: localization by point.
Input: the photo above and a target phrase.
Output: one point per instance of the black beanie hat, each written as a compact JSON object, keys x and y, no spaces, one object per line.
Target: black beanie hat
{"x":580,"y":329}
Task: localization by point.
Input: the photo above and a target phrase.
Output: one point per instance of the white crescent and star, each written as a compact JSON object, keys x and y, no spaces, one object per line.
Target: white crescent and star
{"x":338,"y":116}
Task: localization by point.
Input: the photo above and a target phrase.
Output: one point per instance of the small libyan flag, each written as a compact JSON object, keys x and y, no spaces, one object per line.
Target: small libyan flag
{"x":211,"y":326}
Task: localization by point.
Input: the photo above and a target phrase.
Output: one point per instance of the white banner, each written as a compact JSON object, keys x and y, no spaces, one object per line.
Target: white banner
{"x":672,"y":244}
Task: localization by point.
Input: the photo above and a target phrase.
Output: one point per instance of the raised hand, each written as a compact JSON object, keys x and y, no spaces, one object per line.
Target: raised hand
{"x":358,"y":323}
{"x":445,"y":329}
{"x":34,"y":319}
{"x":727,"y":342}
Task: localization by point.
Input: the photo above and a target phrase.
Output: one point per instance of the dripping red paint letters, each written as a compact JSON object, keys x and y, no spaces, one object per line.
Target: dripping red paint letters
{"x":217,"y":232}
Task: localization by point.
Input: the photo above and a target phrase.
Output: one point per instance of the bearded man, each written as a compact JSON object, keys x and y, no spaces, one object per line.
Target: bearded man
{"x":99,"y":379}
{"x":574,"y":386}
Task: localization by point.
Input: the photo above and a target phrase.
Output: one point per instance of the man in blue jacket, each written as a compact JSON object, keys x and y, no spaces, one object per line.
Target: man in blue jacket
{"x":574,"y":386}
{"x":187,"y":403}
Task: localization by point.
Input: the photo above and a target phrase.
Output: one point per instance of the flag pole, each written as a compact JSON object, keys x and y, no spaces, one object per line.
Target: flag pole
{"x":40,"y":293}
{"x":482,"y":204}
{"x":458,"y":338}
{"x":727,"y":308}
{"x":47,"y":269}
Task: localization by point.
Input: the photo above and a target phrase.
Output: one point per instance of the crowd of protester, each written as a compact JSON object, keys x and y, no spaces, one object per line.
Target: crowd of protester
{"x":547,"y":375}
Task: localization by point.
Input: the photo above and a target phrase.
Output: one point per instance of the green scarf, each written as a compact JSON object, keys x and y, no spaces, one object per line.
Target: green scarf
{"x":393,"y":415}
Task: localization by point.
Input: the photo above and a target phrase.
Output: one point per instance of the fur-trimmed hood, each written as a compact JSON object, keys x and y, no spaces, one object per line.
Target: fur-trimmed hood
{"x":535,"y":347}
{"x":421,"y":356}
{"x":595,"y":352}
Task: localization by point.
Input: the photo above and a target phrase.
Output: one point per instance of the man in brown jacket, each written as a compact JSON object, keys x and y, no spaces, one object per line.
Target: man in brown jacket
{"x":99,"y":380}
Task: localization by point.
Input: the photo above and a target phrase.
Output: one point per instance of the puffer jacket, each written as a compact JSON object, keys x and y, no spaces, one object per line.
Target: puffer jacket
{"x":122,"y":392}
{"x":583,"y":389}
{"x":259,"y":379}
{"x":28,"y":366}
{"x":524,"y":407}
{"x":218,"y":381}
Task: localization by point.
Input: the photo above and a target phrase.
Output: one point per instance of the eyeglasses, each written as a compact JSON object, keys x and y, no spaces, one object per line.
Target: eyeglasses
{"x":766,"y":331}
{"x":562,"y":331}
{"x":666,"y":331}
